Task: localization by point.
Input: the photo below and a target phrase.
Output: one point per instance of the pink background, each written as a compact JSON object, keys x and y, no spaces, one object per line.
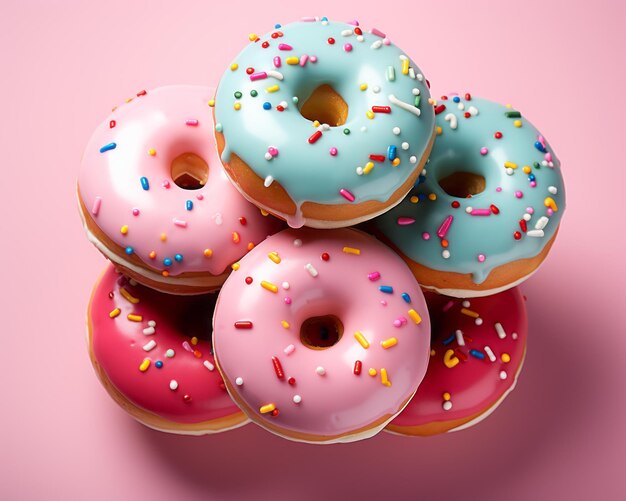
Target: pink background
{"x":560,"y":435}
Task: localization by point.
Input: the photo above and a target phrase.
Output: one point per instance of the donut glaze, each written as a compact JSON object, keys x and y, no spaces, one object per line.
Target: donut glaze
{"x":140,"y":218}
{"x":384,"y":141}
{"x":515,"y":216}
{"x":151,"y":352}
{"x":344,"y":392}
{"x":477,"y":352}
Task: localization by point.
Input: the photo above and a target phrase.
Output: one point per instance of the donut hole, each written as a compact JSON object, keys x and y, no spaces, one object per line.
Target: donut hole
{"x":326,"y":106}
{"x":319,"y":333}
{"x":462,"y":184}
{"x":193,"y":317}
{"x":189,"y":171}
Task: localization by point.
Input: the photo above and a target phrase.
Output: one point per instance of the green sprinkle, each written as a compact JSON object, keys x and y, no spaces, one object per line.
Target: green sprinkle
{"x":536,"y":165}
{"x":417,"y":101}
{"x":346,"y":132}
{"x":254,"y":93}
{"x":513,"y":114}
{"x":238,"y":95}
{"x":391,"y":73}
{"x":295,"y":99}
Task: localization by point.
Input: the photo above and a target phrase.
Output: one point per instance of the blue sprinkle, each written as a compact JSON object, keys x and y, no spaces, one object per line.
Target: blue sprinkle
{"x":387,"y":289}
{"x":478,"y":354}
{"x":538,"y":145}
{"x":446,"y":342}
{"x":392,"y":152}
{"x":324,"y":18}
{"x":189,"y":204}
{"x":267,"y":106}
{"x":406,"y":297}
{"x":276,"y":26}
{"x":144,"y":183}
{"x":167,"y":261}
{"x":422,"y":196}
{"x":129,"y":250}
{"x":531,"y":177}
{"x":178,"y":258}
{"x":107,"y":147}
{"x":456,"y":99}
{"x":421,"y":179}
{"x":158,"y":364}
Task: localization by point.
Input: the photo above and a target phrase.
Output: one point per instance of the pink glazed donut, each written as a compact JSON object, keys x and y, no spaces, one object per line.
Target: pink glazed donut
{"x":151,"y":353}
{"x":321,"y":336}
{"x":154,"y":197}
{"x":478,"y":349}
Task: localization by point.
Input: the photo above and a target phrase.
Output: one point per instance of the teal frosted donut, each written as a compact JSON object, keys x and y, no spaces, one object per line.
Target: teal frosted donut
{"x":486,"y":212}
{"x":323,"y":124}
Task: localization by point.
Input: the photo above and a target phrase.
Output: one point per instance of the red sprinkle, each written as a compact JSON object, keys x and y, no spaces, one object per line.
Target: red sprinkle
{"x":315,"y":136}
{"x":358,"y":31}
{"x":331,"y":41}
{"x":141,"y":93}
{"x":291,"y":381}
{"x":242,"y":221}
{"x":112,"y":124}
{"x":455,"y":204}
{"x":243,"y":324}
{"x":498,"y":135}
{"x":265,"y":44}
{"x":377,"y":158}
{"x":494,"y":209}
{"x":187,"y":398}
{"x":249,"y":70}
{"x":357,"y":367}
{"x":248,"y":280}
{"x":522,"y":225}
{"x":275,"y":412}
{"x":440,"y":109}
{"x":274,"y":35}
{"x":460,"y":354}
{"x":517,"y":235}
{"x":280,"y":108}
{"x":467,"y":114}
{"x":278,"y":368}
{"x":468,"y":97}
{"x":381,"y":109}
{"x":325,"y":256}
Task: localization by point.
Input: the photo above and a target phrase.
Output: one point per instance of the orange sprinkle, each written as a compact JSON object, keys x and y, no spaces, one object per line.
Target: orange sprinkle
{"x":165,"y":273}
{"x":163,"y":237}
{"x":152,"y":255}
{"x":250,"y":246}
{"x":207,"y":252}
{"x":444,"y":243}
{"x":236,"y":237}
{"x":469,"y":313}
{"x":194,"y":340}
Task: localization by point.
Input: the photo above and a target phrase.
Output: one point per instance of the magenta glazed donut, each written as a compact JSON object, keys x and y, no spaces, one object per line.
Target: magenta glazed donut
{"x":321,"y":335}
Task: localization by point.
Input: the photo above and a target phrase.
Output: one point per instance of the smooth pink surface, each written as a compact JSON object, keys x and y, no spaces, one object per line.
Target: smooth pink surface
{"x":559,"y":435}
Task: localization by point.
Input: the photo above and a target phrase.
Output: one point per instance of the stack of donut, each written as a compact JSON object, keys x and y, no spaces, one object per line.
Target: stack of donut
{"x":214,"y":313}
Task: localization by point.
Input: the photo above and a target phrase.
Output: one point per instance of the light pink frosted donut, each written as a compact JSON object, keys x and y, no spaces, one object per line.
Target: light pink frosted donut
{"x":154,"y":197}
{"x":321,"y":335}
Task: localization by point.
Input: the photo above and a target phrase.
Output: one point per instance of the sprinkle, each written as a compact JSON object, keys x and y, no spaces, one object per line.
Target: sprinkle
{"x":320,"y":371}
{"x":207,"y":252}
{"x":449,"y":359}
{"x":180,"y":223}
{"x":361,"y":339}
{"x":128,"y":296}
{"x":549,"y":202}
{"x":269,"y":286}
{"x":285,"y":324}
{"x":372,"y":372}
{"x":490,"y":354}
{"x":289,"y":349}
{"x":373,"y":276}
{"x":346,"y":194}
{"x":114,"y":313}
{"x":500,"y":330}
{"x":503,"y":375}
{"x":311,"y":269}
{"x":144,"y":183}
{"x":405,"y":106}
{"x":377,"y":44}
{"x":405,"y":221}
{"x":108,"y":147}
{"x":387,"y":289}
{"x":451,"y":117}
{"x":541,"y":223}
{"x":267,"y":408}
{"x":144,"y":365}
{"x":148,"y":331}
{"x":278,"y":368}
{"x":96,"y":206}
{"x":134,"y":318}
{"x":388,"y":343}
{"x":272,"y":88}
{"x":477,"y":354}
{"x":469,"y":313}
{"x":243,"y":324}
{"x":191,"y":121}
{"x":239,"y":381}
{"x":536,"y":233}
{"x":274,"y":257}
{"x":150,"y":345}
{"x":512,"y":114}
{"x":405,"y":66}
{"x":445,"y":226}
{"x":384,"y":379}
{"x":413,"y":315}
{"x":406,"y":297}
{"x":358,"y":365}
{"x":284,"y":46}
{"x":315,"y":136}
{"x":297,"y":399}
{"x":292,"y":60}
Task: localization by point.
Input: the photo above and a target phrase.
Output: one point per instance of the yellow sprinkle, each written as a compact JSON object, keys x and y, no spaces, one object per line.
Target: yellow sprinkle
{"x":237,"y":105}
{"x":144,"y":365}
{"x":526,"y":169}
{"x":415,"y":316}
{"x":134,"y":318}
{"x":368,"y":167}
{"x":549,"y":202}
{"x":236,"y":237}
{"x":211,"y":102}
{"x":235,"y":266}
{"x":285,"y":324}
{"x":234,"y":66}
{"x":163,"y":237}
{"x":508,"y":106}
{"x":269,"y":286}
{"x":517,"y":123}
{"x":292,"y":60}
{"x":469,"y":313}
{"x":384,"y":378}
{"x":439,"y":130}
{"x":124,"y":230}
{"x":129,"y":100}
{"x":253,"y":37}
{"x":405,"y":66}
{"x":363,"y":86}
{"x":369,"y":114}
{"x":447,"y":396}
{"x":506,"y":358}
{"x":361,"y":339}
{"x":274,"y":257}
{"x":128,"y":296}
{"x":267,"y":408}
{"x":316,"y":123}
{"x":207,"y":252}
{"x":264,"y":212}
{"x":151,"y":152}
{"x":372,"y":372}
{"x":395,"y":162}
{"x":352,"y":250}
{"x":510,"y":165}
{"x":432,"y":197}
{"x":449,"y":359}
{"x":432,"y":352}
{"x":414,"y":199}
{"x":115,"y":313}
{"x":272,"y":88}
{"x":194,"y":340}
{"x":388,"y":343}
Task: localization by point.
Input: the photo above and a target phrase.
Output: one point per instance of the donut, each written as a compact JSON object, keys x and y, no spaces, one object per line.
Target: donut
{"x":477,"y":353}
{"x":152,"y":352}
{"x":154,"y":197}
{"x":487,"y":211}
{"x":336,"y":123}
{"x":321,"y":336}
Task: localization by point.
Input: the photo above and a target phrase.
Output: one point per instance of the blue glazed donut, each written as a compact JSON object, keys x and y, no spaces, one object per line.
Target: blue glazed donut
{"x":487,"y":208}
{"x":323,"y":124}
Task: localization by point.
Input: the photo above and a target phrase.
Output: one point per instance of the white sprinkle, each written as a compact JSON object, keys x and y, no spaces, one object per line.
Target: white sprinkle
{"x":451,"y":117}
{"x":405,"y":106}
{"x":150,"y":345}
{"x":420,"y":77}
{"x":285,"y":285}
{"x":208,"y":365}
{"x":268,"y":181}
{"x":284,"y":104}
{"x":360,"y":38}
{"x":148,"y":331}
{"x":359,"y":171}
{"x":413,"y":159}
{"x":132,"y":281}
{"x":405,"y":145}
{"x":461,"y":106}
{"x":478,"y":321}
{"x":500,"y":330}
{"x":289,"y":349}
{"x":473,"y":111}
{"x":217,"y":218}
{"x":396,"y":131}
{"x":320,"y":370}
{"x":541,"y":223}
{"x":377,"y":44}
{"x":527,"y":217}
{"x":490,"y":354}
{"x":514,"y":335}
{"x":239,"y":381}
{"x":552,"y":189}
{"x":447,"y":405}
{"x":415,"y":91}
{"x":364,"y":129}
{"x":412,"y":73}
{"x":375,"y":89}
{"x":469,"y":209}
{"x":268,"y":156}
{"x":509,"y":171}
{"x":297,"y":242}
{"x":459,"y":338}
{"x":466,"y":304}
{"x":311,"y":269}
{"x":275,"y":74}
{"x":173,"y":385}
{"x":535,"y":233}
{"x":170,"y":353}
{"x":346,"y":33}
{"x":325,"y":127}
{"x":445,"y":254}
{"x":503,"y":375}
{"x":297,"y":399}
{"x":151,"y":323}
{"x":403,"y":57}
